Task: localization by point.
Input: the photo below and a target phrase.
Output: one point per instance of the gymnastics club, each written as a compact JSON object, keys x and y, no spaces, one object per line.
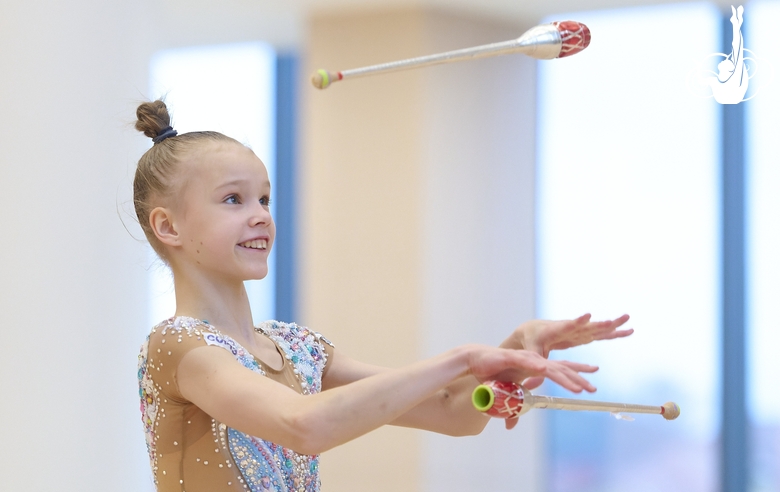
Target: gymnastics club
{"x":506,"y":400}
{"x":544,"y":42}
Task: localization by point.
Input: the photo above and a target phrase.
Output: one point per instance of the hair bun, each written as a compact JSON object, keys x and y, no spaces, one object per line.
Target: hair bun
{"x":153,"y":119}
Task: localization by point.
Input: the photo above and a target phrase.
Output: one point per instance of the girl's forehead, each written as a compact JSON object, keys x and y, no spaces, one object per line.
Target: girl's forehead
{"x":219,"y":162}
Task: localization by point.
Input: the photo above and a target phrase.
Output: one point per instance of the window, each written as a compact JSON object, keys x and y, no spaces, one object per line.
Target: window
{"x":230,"y":89}
{"x":628,"y":221}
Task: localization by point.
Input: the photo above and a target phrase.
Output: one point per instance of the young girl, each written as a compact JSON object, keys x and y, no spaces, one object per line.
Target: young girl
{"x":228,"y":406}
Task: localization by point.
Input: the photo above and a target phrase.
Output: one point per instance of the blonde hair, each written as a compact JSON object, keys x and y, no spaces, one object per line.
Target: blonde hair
{"x":157,"y":168}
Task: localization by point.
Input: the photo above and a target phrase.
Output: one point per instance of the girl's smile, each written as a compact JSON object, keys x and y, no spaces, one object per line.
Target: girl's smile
{"x":259,"y":243}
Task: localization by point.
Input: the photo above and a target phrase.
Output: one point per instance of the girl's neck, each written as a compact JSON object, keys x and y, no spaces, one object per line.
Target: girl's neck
{"x":223,"y":303}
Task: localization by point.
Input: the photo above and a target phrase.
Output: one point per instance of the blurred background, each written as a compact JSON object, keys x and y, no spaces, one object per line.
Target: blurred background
{"x":416,"y":211}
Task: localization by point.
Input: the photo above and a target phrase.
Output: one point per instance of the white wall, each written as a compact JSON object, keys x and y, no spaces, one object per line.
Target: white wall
{"x":72,"y":277}
{"x":418,"y":227}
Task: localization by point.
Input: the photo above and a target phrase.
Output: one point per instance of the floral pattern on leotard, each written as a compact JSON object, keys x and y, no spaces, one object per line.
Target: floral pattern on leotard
{"x":303,"y":348}
{"x":149,"y":398}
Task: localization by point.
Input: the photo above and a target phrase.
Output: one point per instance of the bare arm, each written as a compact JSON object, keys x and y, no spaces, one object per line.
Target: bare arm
{"x":447,"y":411}
{"x":211,"y":378}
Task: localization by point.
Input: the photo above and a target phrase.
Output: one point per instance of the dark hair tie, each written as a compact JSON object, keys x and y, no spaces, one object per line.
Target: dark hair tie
{"x":167,"y":132}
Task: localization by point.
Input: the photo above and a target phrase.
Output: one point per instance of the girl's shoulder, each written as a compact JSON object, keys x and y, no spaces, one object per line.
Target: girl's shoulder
{"x":183,"y":333}
{"x":183,"y":325}
{"x":172,"y":339}
{"x":176,"y":333}
{"x":161,"y":352}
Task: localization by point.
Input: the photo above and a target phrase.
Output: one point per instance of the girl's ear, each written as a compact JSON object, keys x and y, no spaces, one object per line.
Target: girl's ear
{"x":161,"y":222}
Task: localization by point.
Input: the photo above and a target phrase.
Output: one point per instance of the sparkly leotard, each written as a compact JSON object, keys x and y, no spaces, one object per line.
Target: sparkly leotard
{"x":192,"y":452}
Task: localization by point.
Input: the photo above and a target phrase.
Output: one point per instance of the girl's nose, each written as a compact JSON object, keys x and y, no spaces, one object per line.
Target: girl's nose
{"x":260,"y":215}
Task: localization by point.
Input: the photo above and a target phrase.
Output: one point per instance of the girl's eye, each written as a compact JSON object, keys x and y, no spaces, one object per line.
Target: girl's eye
{"x":233,"y":200}
{"x":265,"y":201}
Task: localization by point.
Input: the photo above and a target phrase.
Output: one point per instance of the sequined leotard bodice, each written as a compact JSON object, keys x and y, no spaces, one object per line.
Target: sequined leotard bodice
{"x":192,"y":452}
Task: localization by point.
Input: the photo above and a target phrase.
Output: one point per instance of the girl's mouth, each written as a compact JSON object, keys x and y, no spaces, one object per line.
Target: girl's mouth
{"x":255,"y":244}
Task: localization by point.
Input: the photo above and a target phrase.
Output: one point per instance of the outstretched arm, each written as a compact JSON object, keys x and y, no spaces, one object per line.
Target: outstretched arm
{"x":211,"y":378}
{"x":449,"y":410}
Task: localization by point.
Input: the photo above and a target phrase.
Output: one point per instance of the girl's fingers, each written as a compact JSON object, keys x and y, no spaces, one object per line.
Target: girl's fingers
{"x":583,"y":319}
{"x":533,"y":369}
{"x":530,"y":361}
{"x":618,"y":334}
{"x":581,"y":382}
{"x":621,"y":320}
{"x":573,"y":384}
{"x":579,"y":367}
{"x":567,"y":375}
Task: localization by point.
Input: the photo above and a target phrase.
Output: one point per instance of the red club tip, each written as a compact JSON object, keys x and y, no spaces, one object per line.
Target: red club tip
{"x":575,"y":37}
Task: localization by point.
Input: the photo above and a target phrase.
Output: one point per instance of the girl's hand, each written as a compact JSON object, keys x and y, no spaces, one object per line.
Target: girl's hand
{"x":542,"y":336}
{"x":488,"y":363}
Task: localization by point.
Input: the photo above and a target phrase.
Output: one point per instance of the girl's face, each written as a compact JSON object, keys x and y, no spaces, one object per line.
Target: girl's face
{"x":222,"y":219}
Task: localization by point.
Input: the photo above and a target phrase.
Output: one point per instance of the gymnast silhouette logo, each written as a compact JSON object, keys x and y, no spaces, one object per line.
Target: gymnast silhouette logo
{"x":729,"y":85}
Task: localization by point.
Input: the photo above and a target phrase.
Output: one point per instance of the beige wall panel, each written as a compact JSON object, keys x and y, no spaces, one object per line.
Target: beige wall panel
{"x":360,"y":230}
{"x":479,"y":243}
{"x":418,"y":225}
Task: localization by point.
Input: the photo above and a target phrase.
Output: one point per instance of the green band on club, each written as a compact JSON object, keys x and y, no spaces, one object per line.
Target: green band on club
{"x":483,"y":398}
{"x":325,"y":77}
